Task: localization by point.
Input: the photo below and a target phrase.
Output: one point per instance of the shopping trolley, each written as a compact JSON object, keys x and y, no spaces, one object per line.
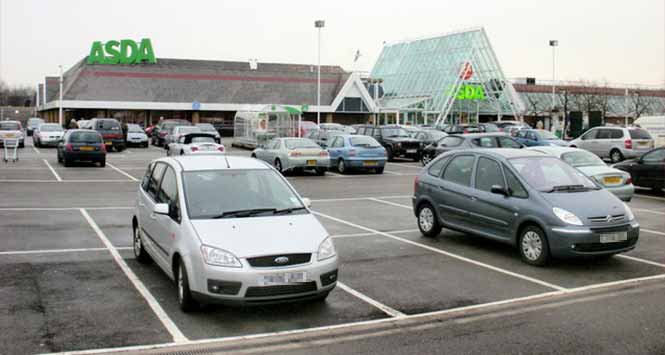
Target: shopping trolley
{"x":10,"y":147}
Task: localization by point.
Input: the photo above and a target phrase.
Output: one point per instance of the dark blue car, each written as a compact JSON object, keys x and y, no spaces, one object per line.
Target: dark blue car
{"x":539,"y":137}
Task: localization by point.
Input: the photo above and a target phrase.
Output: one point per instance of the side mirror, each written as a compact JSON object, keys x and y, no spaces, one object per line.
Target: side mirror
{"x":640,"y":161}
{"x":161,"y":208}
{"x":499,"y":190}
{"x":307,"y":202}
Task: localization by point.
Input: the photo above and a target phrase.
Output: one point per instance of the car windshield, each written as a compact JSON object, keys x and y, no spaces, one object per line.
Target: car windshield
{"x":9,"y":126}
{"x":547,"y":135}
{"x":237,"y":193}
{"x":35,"y":122}
{"x":300,"y":143}
{"x":85,"y":137}
{"x":550,"y":174}
{"x":134,"y":128}
{"x":394,"y":132}
{"x":364,"y":141}
{"x":50,"y":128}
{"x":206,"y":127}
{"x":582,"y":158}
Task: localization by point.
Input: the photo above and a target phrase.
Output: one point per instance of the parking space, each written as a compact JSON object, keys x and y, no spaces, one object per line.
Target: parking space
{"x":69,"y":280}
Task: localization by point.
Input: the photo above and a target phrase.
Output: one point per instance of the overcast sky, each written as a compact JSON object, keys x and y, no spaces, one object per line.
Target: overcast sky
{"x":600,"y":40}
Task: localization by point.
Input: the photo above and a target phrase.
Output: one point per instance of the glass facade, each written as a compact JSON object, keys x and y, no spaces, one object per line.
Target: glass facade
{"x":454,"y":76}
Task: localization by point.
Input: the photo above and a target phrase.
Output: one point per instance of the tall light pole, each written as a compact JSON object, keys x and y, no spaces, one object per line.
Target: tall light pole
{"x":553,"y":43}
{"x":60,"y":99}
{"x":318,"y":24}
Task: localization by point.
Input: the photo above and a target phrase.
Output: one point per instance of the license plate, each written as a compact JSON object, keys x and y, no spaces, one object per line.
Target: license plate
{"x":613,"y":237}
{"x":644,"y":144}
{"x":370,"y":163}
{"x":611,"y":180}
{"x":311,"y":163}
{"x":10,"y":135}
{"x":108,"y":143}
{"x":411,"y":151}
{"x":87,"y":149}
{"x":283,"y":278}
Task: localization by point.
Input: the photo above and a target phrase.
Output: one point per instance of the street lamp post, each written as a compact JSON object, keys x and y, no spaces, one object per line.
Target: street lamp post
{"x":60,"y":99}
{"x":553,"y":43}
{"x":318,"y":24}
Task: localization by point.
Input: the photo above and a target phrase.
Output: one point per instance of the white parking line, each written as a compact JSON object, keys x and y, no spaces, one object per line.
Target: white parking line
{"x":628,"y":257}
{"x":122,"y":172}
{"x":36,"y":150}
{"x":74,"y":181}
{"x":57,"y":177}
{"x":177,"y":335}
{"x":651,"y":231}
{"x":56,"y":251}
{"x":439,"y":251}
{"x":64,"y":208}
{"x":335,"y":174}
{"x":649,"y":197}
{"x":647,"y":211}
{"x":419,"y":167}
{"x":370,"y":234}
{"x":392,"y":173}
{"x":358,"y":198}
{"x":385,"y":309}
{"x":390,"y":203}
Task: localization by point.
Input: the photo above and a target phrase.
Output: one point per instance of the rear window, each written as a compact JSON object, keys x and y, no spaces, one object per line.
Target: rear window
{"x":9,"y":126}
{"x":639,"y":133}
{"x":108,"y":124}
{"x":364,"y":141}
{"x":451,"y":141}
{"x":300,"y":143}
{"x":485,"y":142}
{"x":85,"y":137}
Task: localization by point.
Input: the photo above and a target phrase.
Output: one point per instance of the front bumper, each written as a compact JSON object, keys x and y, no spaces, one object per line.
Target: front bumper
{"x":85,"y":156}
{"x":304,"y":163}
{"x":633,"y":153}
{"x":49,"y":141}
{"x":115,"y":142}
{"x":137,"y":140}
{"x":581,"y":241}
{"x":234,"y":283}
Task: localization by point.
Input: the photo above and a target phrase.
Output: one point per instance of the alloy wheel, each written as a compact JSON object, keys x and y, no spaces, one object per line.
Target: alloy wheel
{"x":532,"y":245}
{"x":426,"y":219}
{"x":425,"y":159}
{"x":137,"y":243}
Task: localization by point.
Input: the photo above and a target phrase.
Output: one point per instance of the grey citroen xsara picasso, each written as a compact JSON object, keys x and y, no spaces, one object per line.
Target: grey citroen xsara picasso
{"x":538,"y":203}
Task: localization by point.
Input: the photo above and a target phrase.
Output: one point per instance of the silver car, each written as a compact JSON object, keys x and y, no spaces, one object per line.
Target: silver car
{"x":231,"y":230}
{"x":47,"y":134}
{"x":615,"y":143}
{"x":136,"y":135}
{"x":11,"y":130}
{"x":195,"y":143}
{"x":616,"y":181}
{"x":538,"y":203}
{"x":178,"y":131}
{"x":287,"y":154}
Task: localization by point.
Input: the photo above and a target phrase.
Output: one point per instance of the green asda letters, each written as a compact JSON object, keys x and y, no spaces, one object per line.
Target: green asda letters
{"x":125,"y":51}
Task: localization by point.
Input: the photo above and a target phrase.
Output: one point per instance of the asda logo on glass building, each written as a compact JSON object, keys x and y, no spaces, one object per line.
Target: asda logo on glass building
{"x":125,"y":51}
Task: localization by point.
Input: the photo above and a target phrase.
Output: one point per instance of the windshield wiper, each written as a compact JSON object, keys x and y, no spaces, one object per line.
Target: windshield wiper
{"x":245,"y":213}
{"x":569,"y":188}
{"x":289,"y":210}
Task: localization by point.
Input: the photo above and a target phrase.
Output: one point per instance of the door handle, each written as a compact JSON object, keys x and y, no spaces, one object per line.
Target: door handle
{"x":153,"y":216}
{"x":473,"y":198}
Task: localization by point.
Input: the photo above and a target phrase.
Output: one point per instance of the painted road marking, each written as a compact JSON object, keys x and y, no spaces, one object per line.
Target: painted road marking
{"x":57,"y":177}
{"x":177,"y":335}
{"x":122,"y":172}
{"x":419,"y":167}
{"x":628,"y":257}
{"x":651,"y":231}
{"x":439,"y":251}
{"x":385,"y":309}
{"x":36,"y":150}
{"x":390,"y":203}
{"x":647,"y":211}
{"x":55,"y":251}
{"x":64,"y":181}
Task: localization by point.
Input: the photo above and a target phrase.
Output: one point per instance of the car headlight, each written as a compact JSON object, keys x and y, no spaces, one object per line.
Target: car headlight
{"x":326,"y":250}
{"x":566,"y":216}
{"x":629,"y":212}
{"x":219,"y":257}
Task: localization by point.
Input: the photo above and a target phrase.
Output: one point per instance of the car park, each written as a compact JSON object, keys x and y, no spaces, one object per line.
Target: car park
{"x":82,"y":145}
{"x":210,"y":129}
{"x":12,"y":130}
{"x":504,"y":126}
{"x":32,"y":123}
{"x":615,"y":142}
{"x":614,"y":180}
{"x":293,"y":154}
{"x":539,"y":137}
{"x":159,"y":134}
{"x":468,"y":141}
{"x":47,"y":134}
{"x":195,"y":144}
{"x":305,"y":128}
{"x":337,"y":127}
{"x":136,"y":136}
{"x":395,"y":139}
{"x":219,"y":211}
{"x":352,"y":152}
{"x":111,"y":132}
{"x":538,"y":203}
{"x":647,"y":170}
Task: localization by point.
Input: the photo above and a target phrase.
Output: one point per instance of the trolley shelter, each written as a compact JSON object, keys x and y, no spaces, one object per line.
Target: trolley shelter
{"x":256,"y":128}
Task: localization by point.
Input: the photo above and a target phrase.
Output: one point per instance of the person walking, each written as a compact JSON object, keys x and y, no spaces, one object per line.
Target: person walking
{"x":73,"y":124}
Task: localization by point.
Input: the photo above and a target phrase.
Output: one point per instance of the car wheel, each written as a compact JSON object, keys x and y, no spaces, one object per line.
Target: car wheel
{"x":389,"y":154}
{"x":427,"y":221}
{"x":102,"y":163}
{"x":145,"y":145}
{"x":185,"y":299}
{"x":278,"y":165}
{"x":139,"y":250}
{"x":120,"y":148}
{"x":379,"y":170}
{"x":533,"y":246}
{"x":616,"y":156}
{"x":66,"y":162}
{"x":320,"y":171}
{"x":254,"y":156}
{"x":59,"y":157}
{"x":425,"y":159}
{"x":341,"y":166}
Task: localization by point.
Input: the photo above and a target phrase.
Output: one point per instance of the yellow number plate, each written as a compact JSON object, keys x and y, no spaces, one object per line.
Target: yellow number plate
{"x":370,"y":163}
{"x":311,"y":163}
{"x":611,"y":180}
{"x":9,"y":135}
{"x":108,"y":143}
{"x":87,"y":148}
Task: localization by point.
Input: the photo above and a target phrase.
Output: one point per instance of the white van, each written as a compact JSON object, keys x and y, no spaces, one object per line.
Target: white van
{"x":656,"y":127}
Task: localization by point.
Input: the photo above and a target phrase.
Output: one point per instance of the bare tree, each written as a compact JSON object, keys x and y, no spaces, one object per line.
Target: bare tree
{"x":639,"y":104}
{"x":16,"y":96}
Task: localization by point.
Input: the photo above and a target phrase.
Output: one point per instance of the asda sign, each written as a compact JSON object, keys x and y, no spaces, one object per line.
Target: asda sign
{"x":469,"y":92}
{"x":125,"y":51}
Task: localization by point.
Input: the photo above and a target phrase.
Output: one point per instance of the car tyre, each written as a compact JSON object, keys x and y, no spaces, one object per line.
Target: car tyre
{"x":59,"y":157}
{"x":182,"y":152}
{"x":389,"y":154}
{"x":616,"y":156}
{"x":66,"y":162}
{"x":320,"y":171}
{"x":278,"y":165}
{"x":185,"y":299}
{"x":120,"y":148}
{"x":425,"y":159}
{"x":428,"y":223}
{"x":379,"y":170}
{"x":341,"y":166}
{"x":140,"y":253}
{"x":533,"y":246}
{"x":102,"y":163}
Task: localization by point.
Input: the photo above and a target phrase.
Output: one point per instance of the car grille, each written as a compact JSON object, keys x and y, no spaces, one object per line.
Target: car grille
{"x":410,"y":145}
{"x":615,"y":229}
{"x":596,"y":247}
{"x":604,"y":219}
{"x":269,"y":261}
{"x":280,"y":290}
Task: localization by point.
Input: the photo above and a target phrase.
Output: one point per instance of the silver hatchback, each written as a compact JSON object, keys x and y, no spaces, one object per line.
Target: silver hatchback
{"x":231,"y":230}
{"x":616,"y":143}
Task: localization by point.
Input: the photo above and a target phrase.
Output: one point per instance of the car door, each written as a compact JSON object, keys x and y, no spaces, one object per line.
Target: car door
{"x":335,"y":149}
{"x":601,"y":144}
{"x":584,"y":141}
{"x":650,"y":169}
{"x":455,"y":194}
{"x":531,"y":139}
{"x":492,"y":212}
{"x":148,"y":220}
{"x":168,"y":226}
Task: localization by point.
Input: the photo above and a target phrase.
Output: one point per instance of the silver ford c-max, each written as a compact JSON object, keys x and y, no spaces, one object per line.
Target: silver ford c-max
{"x":231,"y":230}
